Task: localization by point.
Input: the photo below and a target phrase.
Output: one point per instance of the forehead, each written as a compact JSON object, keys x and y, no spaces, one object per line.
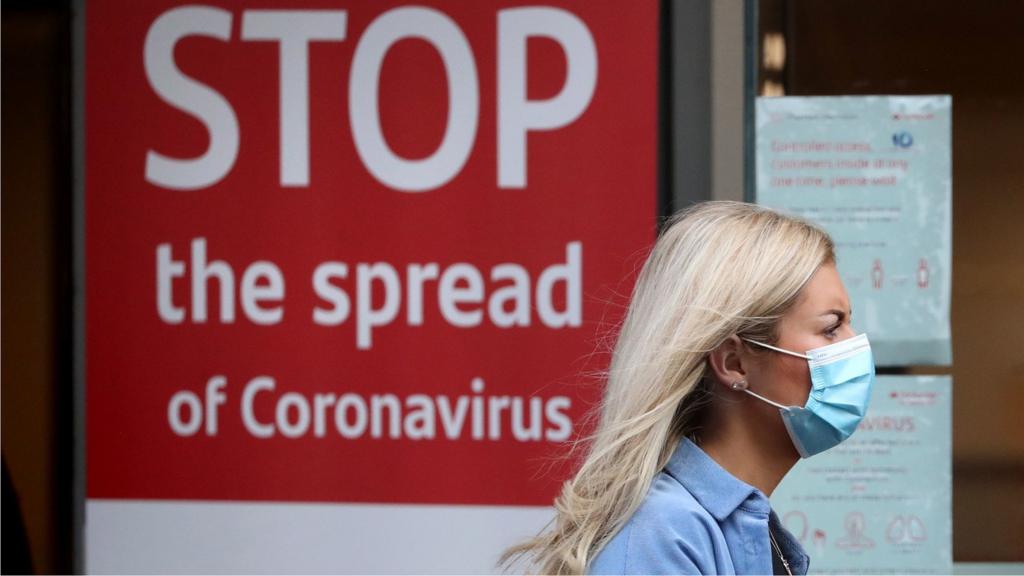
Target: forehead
{"x":823,"y":292}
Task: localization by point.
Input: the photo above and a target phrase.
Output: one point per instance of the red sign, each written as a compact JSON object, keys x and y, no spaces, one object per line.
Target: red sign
{"x":358,"y":251}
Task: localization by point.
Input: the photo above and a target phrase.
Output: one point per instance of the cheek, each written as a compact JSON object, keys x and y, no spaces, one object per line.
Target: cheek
{"x":793,"y":381}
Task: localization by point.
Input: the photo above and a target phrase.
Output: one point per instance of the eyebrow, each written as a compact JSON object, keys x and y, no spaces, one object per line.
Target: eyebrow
{"x":838,"y":313}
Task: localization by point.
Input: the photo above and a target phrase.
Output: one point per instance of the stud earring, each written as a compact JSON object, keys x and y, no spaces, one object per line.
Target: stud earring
{"x":739,"y":385}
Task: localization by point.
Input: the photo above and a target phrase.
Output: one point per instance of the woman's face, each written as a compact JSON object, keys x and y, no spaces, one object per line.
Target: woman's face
{"x":820,"y":317}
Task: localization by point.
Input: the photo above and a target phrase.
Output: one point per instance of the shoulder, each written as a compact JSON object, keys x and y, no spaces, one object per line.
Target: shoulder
{"x":670,"y":533}
{"x":669,"y":508}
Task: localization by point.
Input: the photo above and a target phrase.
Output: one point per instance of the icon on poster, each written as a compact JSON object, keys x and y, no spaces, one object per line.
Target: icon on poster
{"x":902,"y":140}
{"x":820,"y":541}
{"x":796,"y":522}
{"x":906,"y":530}
{"x":855,"y":539}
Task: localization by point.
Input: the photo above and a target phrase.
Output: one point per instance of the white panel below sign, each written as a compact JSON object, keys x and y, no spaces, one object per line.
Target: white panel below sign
{"x":135,"y":536}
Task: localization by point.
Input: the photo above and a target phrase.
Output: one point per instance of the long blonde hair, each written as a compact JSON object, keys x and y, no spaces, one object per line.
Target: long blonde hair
{"x":718,"y":268}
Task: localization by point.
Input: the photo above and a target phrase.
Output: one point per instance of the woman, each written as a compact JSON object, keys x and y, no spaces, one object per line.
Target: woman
{"x":736,"y":358}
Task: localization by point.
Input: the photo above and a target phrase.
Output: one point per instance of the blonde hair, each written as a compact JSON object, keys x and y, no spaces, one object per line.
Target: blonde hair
{"x":718,"y":268}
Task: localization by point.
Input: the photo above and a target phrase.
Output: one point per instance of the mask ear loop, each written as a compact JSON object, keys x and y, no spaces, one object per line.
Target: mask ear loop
{"x":742,"y":386}
{"x":803,"y":356}
{"x":776,"y":404}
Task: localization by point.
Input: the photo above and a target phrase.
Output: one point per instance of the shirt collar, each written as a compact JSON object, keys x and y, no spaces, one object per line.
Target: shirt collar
{"x":718,"y":491}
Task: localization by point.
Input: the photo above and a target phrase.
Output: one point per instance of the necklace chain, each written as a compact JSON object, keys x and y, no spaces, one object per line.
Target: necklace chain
{"x":779,"y":551}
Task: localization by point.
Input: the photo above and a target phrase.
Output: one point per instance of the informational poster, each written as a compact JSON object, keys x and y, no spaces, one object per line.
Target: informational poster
{"x":347,"y":265}
{"x":881,"y":502}
{"x":875,"y":172}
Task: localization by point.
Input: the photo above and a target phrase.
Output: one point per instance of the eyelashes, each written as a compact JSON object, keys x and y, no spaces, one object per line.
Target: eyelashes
{"x":830,"y":332}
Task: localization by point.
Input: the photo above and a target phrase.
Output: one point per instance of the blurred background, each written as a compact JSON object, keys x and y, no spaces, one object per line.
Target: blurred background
{"x":718,"y":55}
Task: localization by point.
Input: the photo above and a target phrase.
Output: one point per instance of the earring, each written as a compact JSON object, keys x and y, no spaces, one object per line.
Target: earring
{"x":739,"y":385}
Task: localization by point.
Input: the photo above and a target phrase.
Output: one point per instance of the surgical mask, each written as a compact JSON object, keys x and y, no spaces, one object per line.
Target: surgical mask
{"x":841,"y":379}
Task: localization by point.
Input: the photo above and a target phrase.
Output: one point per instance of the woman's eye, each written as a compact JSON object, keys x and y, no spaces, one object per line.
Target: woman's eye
{"x":831,"y":332}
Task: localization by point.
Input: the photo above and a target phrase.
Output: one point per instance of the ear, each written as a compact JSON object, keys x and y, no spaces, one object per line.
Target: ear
{"x":726,"y":363}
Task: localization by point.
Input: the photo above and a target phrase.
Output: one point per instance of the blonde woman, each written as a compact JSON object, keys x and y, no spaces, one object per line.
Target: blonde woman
{"x":736,"y":358}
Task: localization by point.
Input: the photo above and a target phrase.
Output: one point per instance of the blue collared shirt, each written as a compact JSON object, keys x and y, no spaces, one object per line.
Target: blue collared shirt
{"x":697,"y":518}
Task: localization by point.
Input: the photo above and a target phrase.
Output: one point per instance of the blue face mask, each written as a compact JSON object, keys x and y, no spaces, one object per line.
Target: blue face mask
{"x":841,"y":379}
